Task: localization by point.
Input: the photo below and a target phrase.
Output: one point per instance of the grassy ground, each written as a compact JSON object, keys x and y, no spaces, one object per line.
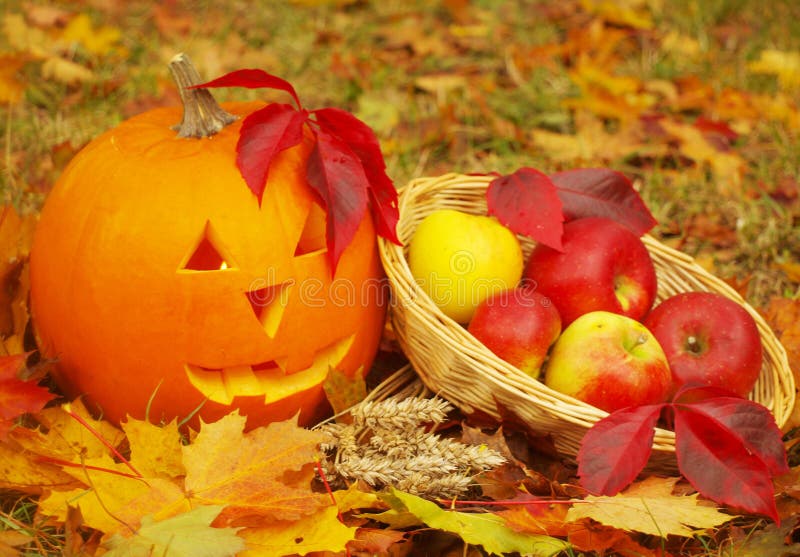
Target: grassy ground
{"x":483,"y":86}
{"x":458,"y":86}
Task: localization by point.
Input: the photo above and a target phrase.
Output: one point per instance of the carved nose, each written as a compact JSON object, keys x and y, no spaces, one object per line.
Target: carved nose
{"x":268,"y":304}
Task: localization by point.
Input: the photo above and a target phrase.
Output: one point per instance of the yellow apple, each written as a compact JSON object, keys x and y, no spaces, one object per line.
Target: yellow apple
{"x":460,"y":259}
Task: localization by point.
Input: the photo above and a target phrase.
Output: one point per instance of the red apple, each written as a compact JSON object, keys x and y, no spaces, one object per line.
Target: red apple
{"x":519,"y":326}
{"x":609,"y":361}
{"x":709,"y":339}
{"x":603,"y":266}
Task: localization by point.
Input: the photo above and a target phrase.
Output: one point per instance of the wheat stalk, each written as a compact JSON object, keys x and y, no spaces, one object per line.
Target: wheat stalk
{"x":388,"y":443}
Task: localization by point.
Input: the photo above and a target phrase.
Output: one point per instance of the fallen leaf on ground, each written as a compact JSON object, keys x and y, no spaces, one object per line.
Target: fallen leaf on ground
{"x":485,"y":529}
{"x":186,"y":535}
{"x":650,"y":507}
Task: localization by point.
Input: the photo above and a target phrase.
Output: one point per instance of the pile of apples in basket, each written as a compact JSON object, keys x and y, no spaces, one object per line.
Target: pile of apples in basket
{"x":580,"y":312}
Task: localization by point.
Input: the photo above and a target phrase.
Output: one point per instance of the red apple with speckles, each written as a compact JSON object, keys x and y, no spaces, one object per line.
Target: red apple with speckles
{"x":610,"y":361}
{"x":709,"y":339}
{"x":519,"y":326}
{"x":604,"y":266}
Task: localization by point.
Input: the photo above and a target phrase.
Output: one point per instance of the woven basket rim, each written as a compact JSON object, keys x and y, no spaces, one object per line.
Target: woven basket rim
{"x":409,"y":296}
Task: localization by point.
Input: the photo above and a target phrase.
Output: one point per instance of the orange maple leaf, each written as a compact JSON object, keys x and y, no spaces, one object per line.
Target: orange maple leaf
{"x":264,"y":474}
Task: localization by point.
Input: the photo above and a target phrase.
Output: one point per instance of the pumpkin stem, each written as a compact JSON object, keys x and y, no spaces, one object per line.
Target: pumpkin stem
{"x":202,"y":116}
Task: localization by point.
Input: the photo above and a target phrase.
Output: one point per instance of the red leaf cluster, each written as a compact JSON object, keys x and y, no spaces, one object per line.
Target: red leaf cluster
{"x":532,"y":203}
{"x":346,"y":168}
{"x":727,"y":447}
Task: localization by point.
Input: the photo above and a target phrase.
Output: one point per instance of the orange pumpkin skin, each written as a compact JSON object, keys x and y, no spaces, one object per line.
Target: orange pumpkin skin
{"x":132,"y":303}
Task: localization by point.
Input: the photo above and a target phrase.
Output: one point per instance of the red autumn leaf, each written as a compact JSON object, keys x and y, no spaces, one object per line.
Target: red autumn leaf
{"x":601,"y":192}
{"x":527,"y":202}
{"x":362,"y":140}
{"x":265,"y":133}
{"x":18,"y":397}
{"x":252,"y":79}
{"x":752,"y":424}
{"x":615,"y":450}
{"x":335,"y":173}
{"x":719,"y":466}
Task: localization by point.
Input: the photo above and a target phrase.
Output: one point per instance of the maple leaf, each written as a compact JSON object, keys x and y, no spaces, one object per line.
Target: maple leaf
{"x":11,"y":86}
{"x":485,"y":529}
{"x":155,"y":450}
{"x":344,"y":391}
{"x":264,"y":474}
{"x":650,"y":507}
{"x":189,"y":534}
{"x":18,"y":397}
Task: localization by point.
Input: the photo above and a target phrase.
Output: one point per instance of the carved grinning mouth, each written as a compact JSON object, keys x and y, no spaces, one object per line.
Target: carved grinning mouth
{"x":267,"y":379}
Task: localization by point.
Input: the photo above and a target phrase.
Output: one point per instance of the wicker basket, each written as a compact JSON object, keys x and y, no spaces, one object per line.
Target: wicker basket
{"x":453,"y":364}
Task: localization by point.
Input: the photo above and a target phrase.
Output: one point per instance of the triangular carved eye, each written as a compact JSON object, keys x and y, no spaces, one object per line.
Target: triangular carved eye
{"x":268,"y":304}
{"x":207,"y":255}
{"x":312,"y":239}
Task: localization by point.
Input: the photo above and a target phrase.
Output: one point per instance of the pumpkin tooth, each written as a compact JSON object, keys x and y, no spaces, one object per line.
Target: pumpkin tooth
{"x":273,"y":383}
{"x":241,"y":381}
{"x":208,"y":382}
{"x":277,"y":385}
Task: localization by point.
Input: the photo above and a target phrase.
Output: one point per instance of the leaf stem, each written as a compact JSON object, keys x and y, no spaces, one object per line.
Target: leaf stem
{"x":202,"y":116}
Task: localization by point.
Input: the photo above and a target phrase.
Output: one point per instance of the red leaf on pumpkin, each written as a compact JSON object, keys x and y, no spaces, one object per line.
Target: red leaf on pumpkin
{"x":615,"y":449}
{"x":335,"y":173}
{"x":252,"y":79}
{"x":601,"y":192}
{"x":713,"y":458}
{"x":265,"y":133}
{"x":18,"y":397}
{"x":527,"y":202}
{"x":364,"y":143}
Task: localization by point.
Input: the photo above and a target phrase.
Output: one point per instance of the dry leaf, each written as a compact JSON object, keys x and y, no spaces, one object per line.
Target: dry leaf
{"x":186,"y":535}
{"x":319,"y":531}
{"x":97,"y":40}
{"x":155,"y":450}
{"x":649,"y":507}
{"x":264,"y":474}
{"x":785,"y":65}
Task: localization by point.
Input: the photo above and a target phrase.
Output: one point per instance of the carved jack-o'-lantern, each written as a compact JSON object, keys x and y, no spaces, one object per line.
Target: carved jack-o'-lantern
{"x":160,"y":284}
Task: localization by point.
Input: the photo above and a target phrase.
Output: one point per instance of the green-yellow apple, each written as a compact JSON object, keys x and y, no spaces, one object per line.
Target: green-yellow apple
{"x":609,"y":361}
{"x":603,"y":266}
{"x":709,"y":339}
{"x":459,"y":259}
{"x":519,"y":326}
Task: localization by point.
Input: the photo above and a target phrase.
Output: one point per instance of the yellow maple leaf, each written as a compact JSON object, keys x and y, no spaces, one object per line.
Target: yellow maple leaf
{"x":785,"y":65}
{"x":265,"y":473}
{"x":155,"y":450}
{"x":66,"y":438}
{"x":320,"y":531}
{"x":650,"y":507}
{"x":113,"y":500}
{"x":97,"y":40}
